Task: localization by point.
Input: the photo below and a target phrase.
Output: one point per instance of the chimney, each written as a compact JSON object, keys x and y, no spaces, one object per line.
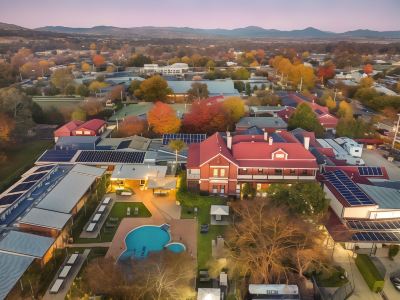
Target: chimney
{"x":270,"y":141}
{"x":307,"y":142}
{"x":265,"y":135}
{"x":229,"y":141}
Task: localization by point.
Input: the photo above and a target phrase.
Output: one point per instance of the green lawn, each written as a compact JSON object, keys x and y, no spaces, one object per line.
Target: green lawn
{"x":132,"y":110}
{"x":203,"y":204}
{"x":20,"y":158}
{"x":332,"y":278}
{"x":118,"y":210}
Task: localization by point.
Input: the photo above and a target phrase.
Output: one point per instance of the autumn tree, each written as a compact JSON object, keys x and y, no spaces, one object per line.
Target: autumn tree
{"x":366,"y":82}
{"x":305,"y":118}
{"x":78,"y":114}
{"x":326,"y":71}
{"x":131,"y":125}
{"x":302,"y":76}
{"x":134,"y":86}
{"x":198,"y":91}
{"x":234,"y":107}
{"x":206,"y":118}
{"x":163,"y":119}
{"x":85,"y":67}
{"x":6,"y":75}
{"x":352,"y":128}
{"x":82,"y":90}
{"x":7,"y":125}
{"x":138,"y":60}
{"x":368,"y":69}
{"x":154,"y":89}
{"x":240,"y":74}
{"x":345,"y":110}
{"x":20,"y":58}
{"x":330,"y":103}
{"x":176,"y":146}
{"x":92,"y":106}
{"x":267,"y":244}
{"x":95,"y":86}
{"x":61,"y":78}
{"x":117,"y":93}
{"x":98,"y":60}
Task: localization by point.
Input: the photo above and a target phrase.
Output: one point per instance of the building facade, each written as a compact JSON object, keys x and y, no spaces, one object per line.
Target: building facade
{"x":222,"y":165}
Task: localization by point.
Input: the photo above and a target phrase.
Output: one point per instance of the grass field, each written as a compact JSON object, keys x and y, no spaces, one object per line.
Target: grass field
{"x":118,"y":211}
{"x":20,"y":159}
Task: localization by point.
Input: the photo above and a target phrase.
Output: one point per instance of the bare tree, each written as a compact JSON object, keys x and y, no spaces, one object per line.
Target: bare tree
{"x":268,"y":245}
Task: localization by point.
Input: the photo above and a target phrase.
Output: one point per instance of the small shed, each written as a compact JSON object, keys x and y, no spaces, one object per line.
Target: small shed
{"x":208,"y":294}
{"x":219,"y":214}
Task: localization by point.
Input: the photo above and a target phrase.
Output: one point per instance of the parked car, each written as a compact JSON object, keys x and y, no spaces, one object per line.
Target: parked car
{"x":204,"y":228}
{"x":395,"y":280}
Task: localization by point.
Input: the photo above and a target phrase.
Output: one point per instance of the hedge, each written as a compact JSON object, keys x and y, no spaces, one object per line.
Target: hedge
{"x":370,"y":273}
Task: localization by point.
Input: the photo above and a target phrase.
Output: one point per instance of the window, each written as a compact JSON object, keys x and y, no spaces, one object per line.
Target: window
{"x":278,"y":171}
{"x":222,"y":173}
{"x":222,"y":189}
{"x":258,"y":186}
{"x":215,"y":172}
{"x":292,"y":172}
{"x":215,"y":189}
{"x":304,"y":172}
{"x":260,"y":171}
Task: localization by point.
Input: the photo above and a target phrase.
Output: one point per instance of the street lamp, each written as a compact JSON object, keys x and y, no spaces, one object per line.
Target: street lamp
{"x":396,"y":131}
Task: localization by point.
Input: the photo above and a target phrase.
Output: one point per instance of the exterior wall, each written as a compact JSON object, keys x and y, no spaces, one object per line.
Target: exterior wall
{"x":334,"y":203}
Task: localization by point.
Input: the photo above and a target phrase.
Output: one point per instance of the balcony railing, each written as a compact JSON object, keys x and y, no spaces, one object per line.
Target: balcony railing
{"x":193,"y":176}
{"x":275,"y":177}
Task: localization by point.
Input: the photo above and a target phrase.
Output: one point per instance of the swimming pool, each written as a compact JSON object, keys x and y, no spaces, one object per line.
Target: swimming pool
{"x":149,"y":238}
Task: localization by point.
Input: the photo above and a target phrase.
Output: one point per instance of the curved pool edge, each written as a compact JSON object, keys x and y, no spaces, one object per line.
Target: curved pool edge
{"x":176,"y":243}
{"x":141,"y":226}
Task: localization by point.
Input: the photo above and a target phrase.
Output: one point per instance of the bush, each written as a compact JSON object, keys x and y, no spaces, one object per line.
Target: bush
{"x":370,"y":273}
{"x":393,"y":250}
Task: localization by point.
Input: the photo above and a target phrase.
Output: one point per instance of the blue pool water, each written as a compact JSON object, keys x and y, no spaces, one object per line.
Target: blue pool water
{"x":149,"y":238}
{"x":176,"y":247}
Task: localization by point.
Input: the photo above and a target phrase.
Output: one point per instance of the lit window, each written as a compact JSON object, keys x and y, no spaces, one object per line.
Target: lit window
{"x":222,"y":172}
{"x":215,"y":172}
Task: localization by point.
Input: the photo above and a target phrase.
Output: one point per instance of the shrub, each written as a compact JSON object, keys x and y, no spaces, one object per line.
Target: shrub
{"x":393,"y":250}
{"x":370,"y":273}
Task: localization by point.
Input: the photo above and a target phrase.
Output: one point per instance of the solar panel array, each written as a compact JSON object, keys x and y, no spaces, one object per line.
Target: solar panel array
{"x":387,"y":225}
{"x":44,"y":168}
{"x":376,"y":237}
{"x":23,"y":187}
{"x":129,"y":157}
{"x":35,"y":177}
{"x":58,"y":155}
{"x":187,"y":138}
{"x":351,"y":192}
{"x":124,"y":144}
{"x":9,"y":199}
{"x":370,"y":171}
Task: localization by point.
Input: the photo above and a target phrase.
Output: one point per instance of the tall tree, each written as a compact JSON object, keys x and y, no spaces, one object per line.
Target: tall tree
{"x":368,"y":69}
{"x":130,"y":126}
{"x":163,"y":119}
{"x":206,"y":118}
{"x":234,"y":107}
{"x":61,"y":78}
{"x":198,"y":91}
{"x":154,"y":89}
{"x":305,"y":118}
{"x":98,"y":60}
{"x":176,"y":146}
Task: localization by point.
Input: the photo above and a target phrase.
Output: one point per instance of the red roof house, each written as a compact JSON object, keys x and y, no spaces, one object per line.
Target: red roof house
{"x":66,"y":129}
{"x":222,"y":165}
{"x":92,"y":127}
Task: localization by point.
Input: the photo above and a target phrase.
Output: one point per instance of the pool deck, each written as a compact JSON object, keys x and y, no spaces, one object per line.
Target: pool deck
{"x":163,"y":210}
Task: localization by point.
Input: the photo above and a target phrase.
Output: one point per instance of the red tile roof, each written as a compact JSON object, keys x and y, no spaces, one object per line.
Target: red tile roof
{"x":94,"y":124}
{"x":68,"y":127}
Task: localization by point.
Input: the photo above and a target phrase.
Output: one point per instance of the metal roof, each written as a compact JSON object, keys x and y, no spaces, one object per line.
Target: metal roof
{"x":261,"y":122}
{"x":386,"y":198}
{"x":70,"y":189}
{"x":215,"y":87}
{"x":26,"y":244}
{"x":45,"y":218}
{"x":12,"y":267}
{"x":138,"y":172}
{"x":221,"y":210}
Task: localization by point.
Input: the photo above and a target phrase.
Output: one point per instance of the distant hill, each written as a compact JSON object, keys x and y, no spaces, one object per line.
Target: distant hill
{"x":246,"y":32}
{"x":11,"y":27}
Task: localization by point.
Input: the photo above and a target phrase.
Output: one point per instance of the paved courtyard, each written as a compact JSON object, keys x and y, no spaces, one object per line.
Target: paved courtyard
{"x":375,"y":158}
{"x":163,"y":210}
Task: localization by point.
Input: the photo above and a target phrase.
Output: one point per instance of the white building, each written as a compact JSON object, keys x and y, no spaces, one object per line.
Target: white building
{"x":174,"y":69}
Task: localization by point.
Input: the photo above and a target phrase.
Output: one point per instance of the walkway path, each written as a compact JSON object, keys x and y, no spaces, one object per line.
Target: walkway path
{"x":89,"y":245}
{"x":68,"y":281}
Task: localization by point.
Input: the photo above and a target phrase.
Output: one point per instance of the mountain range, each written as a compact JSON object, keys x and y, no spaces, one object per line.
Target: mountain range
{"x":187,"y":32}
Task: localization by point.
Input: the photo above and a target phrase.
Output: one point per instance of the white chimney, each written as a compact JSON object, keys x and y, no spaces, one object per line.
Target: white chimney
{"x":229,"y":141}
{"x":265,"y":136}
{"x":270,"y":141}
{"x":307,"y":142}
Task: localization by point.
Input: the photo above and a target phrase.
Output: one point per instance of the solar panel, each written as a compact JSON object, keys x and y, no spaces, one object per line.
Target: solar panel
{"x":44,"y":168}
{"x":35,"y":177}
{"x":187,"y":138}
{"x":129,"y":157}
{"x":370,"y":171}
{"x":351,"y":192}
{"x":124,"y":144}
{"x":23,"y":187}
{"x":388,"y":225}
{"x":374,"y":236}
{"x":9,"y":199}
{"x":58,"y":155}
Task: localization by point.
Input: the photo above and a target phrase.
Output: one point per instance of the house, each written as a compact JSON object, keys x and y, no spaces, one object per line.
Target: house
{"x":364,"y":206}
{"x":66,"y":130}
{"x":268,"y":124}
{"x":223,"y":87}
{"x":174,"y":69}
{"x":274,"y":291}
{"x":92,"y":127}
{"x":222,"y":166}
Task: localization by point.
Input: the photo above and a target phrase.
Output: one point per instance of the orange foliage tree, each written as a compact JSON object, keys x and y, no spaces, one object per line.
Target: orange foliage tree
{"x":368,"y":69}
{"x":131,"y":125}
{"x":98,"y":60}
{"x":6,"y":127}
{"x":162,"y":119}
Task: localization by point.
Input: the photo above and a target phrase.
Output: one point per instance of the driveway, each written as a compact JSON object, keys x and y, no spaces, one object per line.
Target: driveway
{"x":391,"y":266}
